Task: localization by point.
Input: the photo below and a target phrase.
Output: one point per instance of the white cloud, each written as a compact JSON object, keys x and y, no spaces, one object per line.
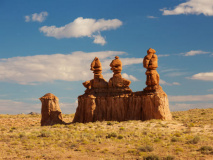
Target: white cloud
{"x":170,"y":70}
{"x":15,"y":107}
{"x":130,"y":61}
{"x":163,"y":55}
{"x":175,"y":74}
{"x":27,"y":18}
{"x":107,"y":76}
{"x":183,"y":106}
{"x":192,"y":98}
{"x":176,"y":83}
{"x":209,"y":90}
{"x":68,"y":108}
{"x":36,"y":17}
{"x":81,"y":27}
{"x":162,"y":82}
{"x":151,"y":17}
{"x":32,"y":70}
{"x":205,"y":76}
{"x":194,"y":52}
{"x":192,"y":7}
{"x":99,"y":39}
{"x":129,"y":77}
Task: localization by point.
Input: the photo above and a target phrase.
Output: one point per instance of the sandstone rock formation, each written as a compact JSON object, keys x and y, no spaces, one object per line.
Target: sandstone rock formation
{"x":115,"y":101}
{"x":117,"y":81}
{"x":98,"y":81}
{"x":50,"y":110}
{"x":150,"y":62}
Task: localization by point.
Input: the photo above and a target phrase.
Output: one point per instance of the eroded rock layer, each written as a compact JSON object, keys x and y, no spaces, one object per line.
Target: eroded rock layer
{"x":121,"y":107}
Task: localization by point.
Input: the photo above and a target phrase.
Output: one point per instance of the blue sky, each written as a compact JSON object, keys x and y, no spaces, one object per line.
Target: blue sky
{"x":47,"y":46}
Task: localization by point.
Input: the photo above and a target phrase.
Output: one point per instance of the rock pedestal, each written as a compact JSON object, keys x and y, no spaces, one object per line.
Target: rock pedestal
{"x":115,"y":101}
{"x":50,"y":110}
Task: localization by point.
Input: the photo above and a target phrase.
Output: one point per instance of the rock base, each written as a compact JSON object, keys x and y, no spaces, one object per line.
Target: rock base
{"x":123,"y":105}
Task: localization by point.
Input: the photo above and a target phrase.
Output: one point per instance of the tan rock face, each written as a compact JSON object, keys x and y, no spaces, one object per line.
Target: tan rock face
{"x":50,"y":110}
{"x":115,"y":101}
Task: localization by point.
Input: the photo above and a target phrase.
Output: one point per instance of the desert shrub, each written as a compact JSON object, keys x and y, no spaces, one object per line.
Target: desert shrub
{"x":121,"y":128}
{"x":169,"y":158}
{"x":177,"y":134}
{"x":174,"y":139}
{"x":151,"y":157}
{"x":191,"y":125}
{"x":134,"y":151}
{"x":195,"y":140}
{"x":157,"y":140}
{"x":179,"y":149}
{"x":120,"y":137}
{"x":146,"y":148}
{"x":113,"y":134}
{"x":206,"y":150}
{"x":104,"y":150}
{"x":144,"y":133}
{"x":109,"y":123}
{"x":45,"y":133}
{"x":21,"y":135}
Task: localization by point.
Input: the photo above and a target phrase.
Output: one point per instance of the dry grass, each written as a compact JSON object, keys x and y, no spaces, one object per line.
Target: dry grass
{"x":188,"y":136}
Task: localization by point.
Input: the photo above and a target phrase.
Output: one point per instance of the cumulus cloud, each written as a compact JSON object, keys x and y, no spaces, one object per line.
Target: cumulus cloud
{"x":82,"y":27}
{"x":194,"y":52}
{"x":36,"y":17}
{"x":192,"y":98}
{"x":192,"y":7}
{"x":162,"y":82}
{"x":32,"y":70}
{"x":99,"y":39}
{"x":204,"y":76}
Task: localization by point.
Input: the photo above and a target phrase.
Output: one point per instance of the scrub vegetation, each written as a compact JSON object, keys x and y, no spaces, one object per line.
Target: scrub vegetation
{"x":188,"y":136}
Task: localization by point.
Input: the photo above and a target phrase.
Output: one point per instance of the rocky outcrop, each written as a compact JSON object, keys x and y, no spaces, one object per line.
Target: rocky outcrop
{"x":50,"y":110}
{"x":115,"y":101}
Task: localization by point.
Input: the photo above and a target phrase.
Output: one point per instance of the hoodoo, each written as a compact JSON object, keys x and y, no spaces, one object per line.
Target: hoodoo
{"x":115,"y":101}
{"x":50,"y":110}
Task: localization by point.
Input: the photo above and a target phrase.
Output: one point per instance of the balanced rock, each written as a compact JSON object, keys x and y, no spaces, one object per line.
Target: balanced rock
{"x":50,"y":111}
